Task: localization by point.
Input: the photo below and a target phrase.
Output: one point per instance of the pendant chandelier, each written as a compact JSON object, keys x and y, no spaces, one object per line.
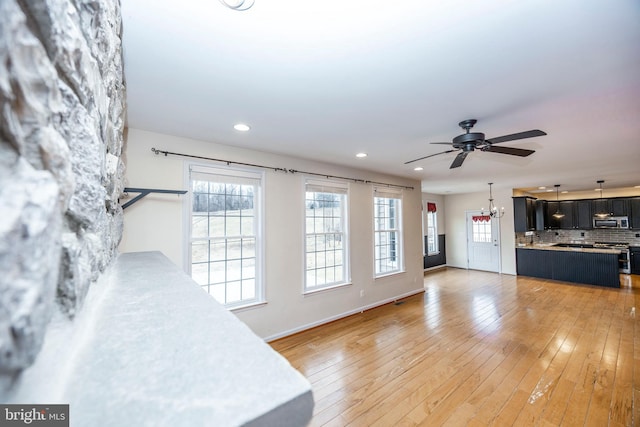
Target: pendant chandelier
{"x":601,"y":214}
{"x":558,"y":214}
{"x":493,"y":210}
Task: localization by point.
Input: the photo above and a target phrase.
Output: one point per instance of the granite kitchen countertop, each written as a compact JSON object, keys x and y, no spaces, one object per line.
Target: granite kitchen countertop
{"x":553,"y":247}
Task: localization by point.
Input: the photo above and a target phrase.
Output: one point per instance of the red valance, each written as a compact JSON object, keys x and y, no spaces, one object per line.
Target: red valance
{"x":431,"y":207}
{"x":477,"y":218}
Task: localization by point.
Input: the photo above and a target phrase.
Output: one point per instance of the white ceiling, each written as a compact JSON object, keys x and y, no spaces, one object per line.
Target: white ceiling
{"x":326,"y":79}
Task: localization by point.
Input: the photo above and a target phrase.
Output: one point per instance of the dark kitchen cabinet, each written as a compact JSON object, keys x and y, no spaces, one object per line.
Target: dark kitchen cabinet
{"x":551,"y":221}
{"x":583,"y":215}
{"x":614,"y":207}
{"x":567,"y":222}
{"x":634,"y":213}
{"x":619,"y":207}
{"x":541,"y":215}
{"x":569,"y":266}
{"x":601,"y":206}
{"x":524,"y":214}
{"x":578,"y":214}
{"x":634,"y":253}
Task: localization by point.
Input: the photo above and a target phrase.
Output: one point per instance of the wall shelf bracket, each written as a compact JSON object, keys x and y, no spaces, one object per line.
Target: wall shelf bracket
{"x":144,"y":191}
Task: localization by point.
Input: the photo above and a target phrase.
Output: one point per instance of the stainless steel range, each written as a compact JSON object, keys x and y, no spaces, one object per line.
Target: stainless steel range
{"x":624,"y":257}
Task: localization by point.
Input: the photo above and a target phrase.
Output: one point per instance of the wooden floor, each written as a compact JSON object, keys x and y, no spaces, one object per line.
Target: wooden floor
{"x":479,"y":349}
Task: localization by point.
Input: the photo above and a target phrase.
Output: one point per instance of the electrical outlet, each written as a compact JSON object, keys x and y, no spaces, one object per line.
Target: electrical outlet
{"x":361,"y":293}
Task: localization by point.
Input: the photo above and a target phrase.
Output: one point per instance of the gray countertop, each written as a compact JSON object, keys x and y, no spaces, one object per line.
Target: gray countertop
{"x":151,"y":348}
{"x":552,"y":247}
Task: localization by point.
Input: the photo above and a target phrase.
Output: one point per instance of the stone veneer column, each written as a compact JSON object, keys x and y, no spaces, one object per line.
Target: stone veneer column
{"x":62,"y":102}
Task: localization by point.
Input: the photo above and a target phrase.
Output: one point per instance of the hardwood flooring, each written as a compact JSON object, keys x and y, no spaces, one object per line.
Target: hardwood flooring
{"x":479,"y":349}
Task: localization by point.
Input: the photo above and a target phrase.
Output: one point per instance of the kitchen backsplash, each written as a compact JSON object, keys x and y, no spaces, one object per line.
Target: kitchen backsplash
{"x":632,"y":237}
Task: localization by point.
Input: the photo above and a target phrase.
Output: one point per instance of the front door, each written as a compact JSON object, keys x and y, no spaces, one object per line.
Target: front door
{"x":483,"y":242}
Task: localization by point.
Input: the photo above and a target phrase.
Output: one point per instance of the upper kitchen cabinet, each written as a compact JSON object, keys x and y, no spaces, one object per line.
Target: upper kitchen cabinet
{"x":568,"y":220}
{"x":541,"y":215}
{"x":552,"y":222}
{"x":567,"y":209}
{"x":614,"y":207}
{"x":634,"y":213}
{"x":601,"y":206}
{"x":532,"y":214}
{"x":584,"y":214}
{"x":524,"y":214}
{"x":620,"y":207}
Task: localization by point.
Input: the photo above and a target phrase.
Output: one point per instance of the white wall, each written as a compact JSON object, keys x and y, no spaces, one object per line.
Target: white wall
{"x":456,"y":206}
{"x":156,"y":223}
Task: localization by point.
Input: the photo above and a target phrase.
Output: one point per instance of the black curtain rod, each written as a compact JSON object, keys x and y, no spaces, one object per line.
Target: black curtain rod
{"x":230,"y":162}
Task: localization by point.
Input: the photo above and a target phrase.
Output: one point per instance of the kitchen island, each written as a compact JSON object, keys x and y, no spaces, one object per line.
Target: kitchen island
{"x":592,"y":266}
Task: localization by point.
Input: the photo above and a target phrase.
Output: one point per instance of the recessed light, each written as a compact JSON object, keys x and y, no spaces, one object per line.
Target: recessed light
{"x":419,"y":168}
{"x":549,"y":190}
{"x":564,"y":192}
{"x":637,"y":186}
{"x":542,"y":188}
{"x":361,"y":155}
{"x":597,"y":189}
{"x":241,"y":127}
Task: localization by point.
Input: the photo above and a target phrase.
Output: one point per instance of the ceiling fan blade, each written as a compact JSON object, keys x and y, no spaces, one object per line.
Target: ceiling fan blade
{"x":430,"y":155}
{"x":509,"y":150}
{"x":457,"y":162}
{"x":514,"y":136}
{"x":443,"y":143}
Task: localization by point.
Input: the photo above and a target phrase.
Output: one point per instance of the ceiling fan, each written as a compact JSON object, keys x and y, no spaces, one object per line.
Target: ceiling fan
{"x":470,"y":141}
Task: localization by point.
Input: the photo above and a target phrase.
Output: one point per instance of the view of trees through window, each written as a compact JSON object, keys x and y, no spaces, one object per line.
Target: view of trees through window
{"x":223,"y":239}
{"x":325,"y":238}
{"x":387,"y":251}
{"x":481,"y":230}
{"x":432,"y":233}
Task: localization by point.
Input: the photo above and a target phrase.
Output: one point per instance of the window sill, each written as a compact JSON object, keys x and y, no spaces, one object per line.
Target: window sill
{"x":249,"y":306}
{"x":393,"y":273}
{"x":328,"y":288}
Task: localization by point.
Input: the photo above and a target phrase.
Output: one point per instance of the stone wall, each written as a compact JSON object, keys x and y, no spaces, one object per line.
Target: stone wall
{"x":61,"y":139}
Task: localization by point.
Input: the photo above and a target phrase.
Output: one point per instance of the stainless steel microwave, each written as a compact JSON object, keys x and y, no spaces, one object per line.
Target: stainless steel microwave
{"x":611,"y":222}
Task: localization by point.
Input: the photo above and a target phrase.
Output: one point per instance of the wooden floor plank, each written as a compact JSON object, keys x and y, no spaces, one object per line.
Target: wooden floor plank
{"x":479,"y":349}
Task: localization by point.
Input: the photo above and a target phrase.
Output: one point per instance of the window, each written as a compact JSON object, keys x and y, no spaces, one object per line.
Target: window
{"x":224,"y":234}
{"x":325,"y":235}
{"x":481,"y":229}
{"x":432,"y":229}
{"x":387,"y":205}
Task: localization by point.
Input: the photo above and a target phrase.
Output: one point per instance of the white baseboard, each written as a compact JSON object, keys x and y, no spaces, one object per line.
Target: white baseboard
{"x":342,"y":315}
{"x":435,"y":267}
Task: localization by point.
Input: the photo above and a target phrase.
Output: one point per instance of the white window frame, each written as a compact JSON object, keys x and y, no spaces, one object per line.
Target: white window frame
{"x":332,"y":187}
{"x":434,"y":215}
{"x":396,"y":229}
{"x":229,"y":175}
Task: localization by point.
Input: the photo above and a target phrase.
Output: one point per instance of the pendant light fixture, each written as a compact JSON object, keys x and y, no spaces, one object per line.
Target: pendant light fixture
{"x":601,"y":214}
{"x":493,"y":210}
{"x":558,"y":214}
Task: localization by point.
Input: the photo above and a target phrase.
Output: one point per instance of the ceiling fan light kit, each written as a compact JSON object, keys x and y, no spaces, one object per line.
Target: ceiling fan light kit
{"x":470,"y":141}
